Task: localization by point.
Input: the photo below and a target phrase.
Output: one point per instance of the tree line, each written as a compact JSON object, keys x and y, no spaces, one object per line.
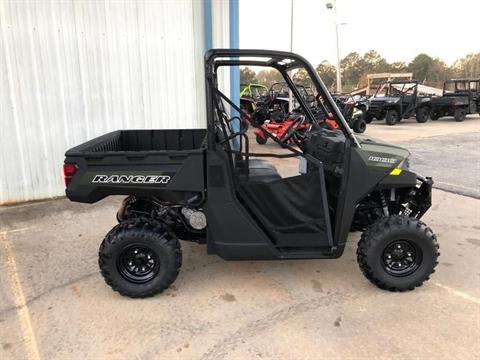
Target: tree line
{"x":355,"y":67}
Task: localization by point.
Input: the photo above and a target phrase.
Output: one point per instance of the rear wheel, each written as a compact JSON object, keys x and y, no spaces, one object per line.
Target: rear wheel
{"x":260,"y":140}
{"x":422,"y":115}
{"x":140,"y":258}
{"x":460,"y":114}
{"x":434,"y":115}
{"x":391,"y":117}
{"x":398,"y":253}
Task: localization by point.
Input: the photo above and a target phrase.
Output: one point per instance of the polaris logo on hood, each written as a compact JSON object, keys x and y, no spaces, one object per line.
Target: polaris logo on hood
{"x":131,"y":179}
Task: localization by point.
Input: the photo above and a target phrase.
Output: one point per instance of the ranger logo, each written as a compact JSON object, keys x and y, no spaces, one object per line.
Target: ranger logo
{"x":131,"y":179}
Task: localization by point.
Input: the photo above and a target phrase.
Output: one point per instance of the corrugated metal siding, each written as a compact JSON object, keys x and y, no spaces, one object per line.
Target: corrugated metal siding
{"x":73,"y":70}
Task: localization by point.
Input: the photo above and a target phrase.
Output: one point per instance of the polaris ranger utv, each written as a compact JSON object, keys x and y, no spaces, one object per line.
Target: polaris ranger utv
{"x":397,"y":100}
{"x":205,"y":185}
{"x":460,"y":98}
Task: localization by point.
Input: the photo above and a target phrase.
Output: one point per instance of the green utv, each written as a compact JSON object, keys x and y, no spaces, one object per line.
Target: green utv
{"x":206,"y":185}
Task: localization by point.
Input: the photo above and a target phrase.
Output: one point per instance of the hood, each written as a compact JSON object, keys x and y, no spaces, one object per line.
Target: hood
{"x":378,"y":153}
{"x":384,"y":99}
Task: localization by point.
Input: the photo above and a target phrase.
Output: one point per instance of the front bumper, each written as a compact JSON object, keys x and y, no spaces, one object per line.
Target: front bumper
{"x":422,"y":198}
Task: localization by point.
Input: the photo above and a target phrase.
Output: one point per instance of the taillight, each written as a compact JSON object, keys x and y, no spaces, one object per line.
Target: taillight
{"x":68,"y":171}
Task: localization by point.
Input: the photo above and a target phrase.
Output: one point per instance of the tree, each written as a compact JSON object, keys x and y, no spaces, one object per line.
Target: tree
{"x":247,"y":76}
{"x":328,"y":73}
{"x":420,"y":66}
{"x":373,"y":62}
{"x":429,"y":70}
{"x":301,"y":77}
{"x":268,"y":77}
{"x":351,"y":69}
{"x":398,"y":66}
{"x":467,"y":67}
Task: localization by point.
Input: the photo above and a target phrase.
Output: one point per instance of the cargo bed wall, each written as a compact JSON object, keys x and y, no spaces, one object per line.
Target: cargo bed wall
{"x":168,"y":164}
{"x":143,"y":140}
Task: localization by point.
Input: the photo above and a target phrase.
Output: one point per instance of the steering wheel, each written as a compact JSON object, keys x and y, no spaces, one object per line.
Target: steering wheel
{"x":292,"y":131}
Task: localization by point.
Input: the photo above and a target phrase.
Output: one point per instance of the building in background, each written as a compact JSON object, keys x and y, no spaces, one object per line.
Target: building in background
{"x":71,"y":71}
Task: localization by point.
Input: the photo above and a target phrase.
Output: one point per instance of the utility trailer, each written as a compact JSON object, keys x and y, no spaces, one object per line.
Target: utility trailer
{"x":207,"y":186}
{"x":460,"y":98}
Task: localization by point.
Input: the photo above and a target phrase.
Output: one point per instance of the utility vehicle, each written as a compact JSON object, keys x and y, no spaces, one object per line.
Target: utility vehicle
{"x":206,"y":185}
{"x":353,"y":111}
{"x":278,"y":100}
{"x":460,"y":98}
{"x":397,"y":100}
{"x":250,"y":94}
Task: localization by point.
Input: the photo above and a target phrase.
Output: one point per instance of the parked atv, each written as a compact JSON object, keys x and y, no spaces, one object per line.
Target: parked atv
{"x":353,"y":112}
{"x":251,"y":95}
{"x":205,"y":185}
{"x":460,"y":98}
{"x":278,"y":101}
{"x":397,"y":100}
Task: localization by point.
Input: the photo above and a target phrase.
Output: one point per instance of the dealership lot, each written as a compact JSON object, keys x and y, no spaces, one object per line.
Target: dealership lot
{"x":55,"y":305}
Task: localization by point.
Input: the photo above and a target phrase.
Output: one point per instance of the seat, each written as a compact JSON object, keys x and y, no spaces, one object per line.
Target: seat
{"x":260,"y":171}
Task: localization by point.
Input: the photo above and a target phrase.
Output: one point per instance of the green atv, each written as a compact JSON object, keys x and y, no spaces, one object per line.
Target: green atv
{"x":250,"y":95}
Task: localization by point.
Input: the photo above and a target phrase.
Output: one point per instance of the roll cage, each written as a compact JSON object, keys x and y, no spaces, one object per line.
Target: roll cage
{"x":397,"y":88}
{"x":456,"y":86}
{"x":281,"y":61}
{"x":253,"y":90}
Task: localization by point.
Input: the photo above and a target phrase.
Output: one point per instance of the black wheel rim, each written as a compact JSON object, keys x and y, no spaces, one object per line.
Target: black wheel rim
{"x":138,"y":263}
{"x":401,"y":258}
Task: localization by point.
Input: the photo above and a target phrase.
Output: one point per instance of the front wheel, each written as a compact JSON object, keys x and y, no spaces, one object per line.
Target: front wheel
{"x":392,"y":117}
{"x":140,"y":258}
{"x":398,"y":253}
{"x":359,"y":126}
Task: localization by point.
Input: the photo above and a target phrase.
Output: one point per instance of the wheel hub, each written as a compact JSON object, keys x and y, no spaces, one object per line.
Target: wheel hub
{"x":401,"y":258}
{"x":138,"y":263}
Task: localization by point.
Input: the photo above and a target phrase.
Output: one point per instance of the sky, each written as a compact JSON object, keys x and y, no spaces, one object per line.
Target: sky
{"x":398,"y":29}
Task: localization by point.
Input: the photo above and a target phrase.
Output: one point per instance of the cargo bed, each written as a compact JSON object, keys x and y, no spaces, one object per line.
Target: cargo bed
{"x":161,"y":163}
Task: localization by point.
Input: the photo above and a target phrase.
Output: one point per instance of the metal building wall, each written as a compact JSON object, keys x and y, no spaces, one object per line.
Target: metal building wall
{"x":72,"y":70}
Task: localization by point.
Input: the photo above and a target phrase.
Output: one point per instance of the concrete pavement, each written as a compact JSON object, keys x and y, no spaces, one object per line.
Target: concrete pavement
{"x":55,"y":305}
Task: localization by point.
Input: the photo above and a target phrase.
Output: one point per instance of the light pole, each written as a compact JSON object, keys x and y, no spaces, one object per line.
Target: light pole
{"x":333,"y":7}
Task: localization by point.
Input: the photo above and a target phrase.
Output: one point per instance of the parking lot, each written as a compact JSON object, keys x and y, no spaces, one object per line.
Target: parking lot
{"x":54,"y":303}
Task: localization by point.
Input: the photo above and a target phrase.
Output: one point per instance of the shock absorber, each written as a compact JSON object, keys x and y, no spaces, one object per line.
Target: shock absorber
{"x":383,"y":202}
